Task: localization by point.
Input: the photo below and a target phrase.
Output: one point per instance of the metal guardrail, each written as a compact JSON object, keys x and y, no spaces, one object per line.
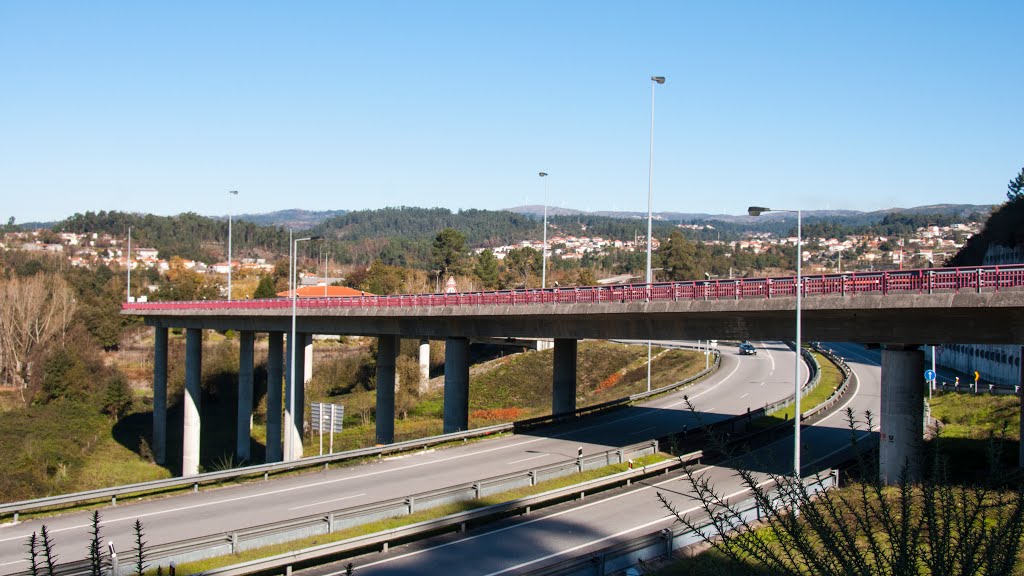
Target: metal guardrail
{"x":978,"y":279}
{"x":332,"y":521}
{"x":141,"y":488}
{"x":15,"y":508}
{"x":838,"y":394}
{"x":815,"y":369}
{"x":663,"y":542}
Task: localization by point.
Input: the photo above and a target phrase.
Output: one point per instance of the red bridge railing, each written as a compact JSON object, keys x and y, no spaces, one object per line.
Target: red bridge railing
{"x":925,"y":281}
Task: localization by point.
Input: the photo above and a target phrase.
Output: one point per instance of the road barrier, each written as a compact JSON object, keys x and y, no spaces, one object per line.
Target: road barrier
{"x":662,"y":543}
{"x":336,"y":520}
{"x":924,"y":281}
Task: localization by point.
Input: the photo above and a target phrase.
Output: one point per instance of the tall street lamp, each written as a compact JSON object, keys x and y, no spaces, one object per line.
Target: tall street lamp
{"x":757,"y":211}
{"x":128,"y":261}
{"x":655,"y":80}
{"x":289,"y":411}
{"x":544,"y":253}
{"x":232,"y":193}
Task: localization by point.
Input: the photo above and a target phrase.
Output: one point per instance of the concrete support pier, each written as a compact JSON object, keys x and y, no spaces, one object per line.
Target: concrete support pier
{"x":294,"y":396}
{"x":275,"y":364}
{"x":160,"y":395}
{"x":902,"y":418}
{"x":193,"y":401}
{"x":424,"y":365}
{"x":563,"y":382}
{"x":1021,"y":395}
{"x":387,"y":352}
{"x":243,"y":431}
{"x":456,"y":385}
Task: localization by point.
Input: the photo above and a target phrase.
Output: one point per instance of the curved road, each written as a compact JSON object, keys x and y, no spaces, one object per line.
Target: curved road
{"x":579,"y":528}
{"x":740,"y":383}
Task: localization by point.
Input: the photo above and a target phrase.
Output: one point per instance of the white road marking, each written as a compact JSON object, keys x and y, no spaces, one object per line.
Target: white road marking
{"x":642,"y":431}
{"x":327,"y":501}
{"x":748,"y":393}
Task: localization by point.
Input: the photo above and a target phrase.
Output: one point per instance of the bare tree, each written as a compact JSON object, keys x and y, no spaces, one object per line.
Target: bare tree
{"x":33,"y":311}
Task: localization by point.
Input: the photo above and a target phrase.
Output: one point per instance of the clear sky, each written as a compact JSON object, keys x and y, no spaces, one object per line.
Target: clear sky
{"x":163,"y":107}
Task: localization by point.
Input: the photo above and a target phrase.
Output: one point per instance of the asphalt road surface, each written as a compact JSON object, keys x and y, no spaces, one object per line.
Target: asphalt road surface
{"x":580,"y":528}
{"x":740,"y":383}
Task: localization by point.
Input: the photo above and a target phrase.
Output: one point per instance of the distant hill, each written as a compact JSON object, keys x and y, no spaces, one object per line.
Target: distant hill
{"x":294,"y":219}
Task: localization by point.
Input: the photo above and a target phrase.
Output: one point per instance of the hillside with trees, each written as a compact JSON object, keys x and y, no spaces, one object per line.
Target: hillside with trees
{"x":1004,"y":228}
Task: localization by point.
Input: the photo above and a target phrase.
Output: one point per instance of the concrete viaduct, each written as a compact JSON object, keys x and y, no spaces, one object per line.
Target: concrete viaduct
{"x":899,"y":311}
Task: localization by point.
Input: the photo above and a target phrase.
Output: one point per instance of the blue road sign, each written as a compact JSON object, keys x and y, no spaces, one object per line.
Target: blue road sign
{"x":929,"y":374}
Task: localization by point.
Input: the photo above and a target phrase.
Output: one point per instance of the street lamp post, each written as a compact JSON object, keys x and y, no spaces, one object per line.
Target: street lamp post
{"x":233,"y":193}
{"x":544,"y":252}
{"x":757,"y":211}
{"x":655,"y":80}
{"x":289,"y":439}
{"x":128,"y":261}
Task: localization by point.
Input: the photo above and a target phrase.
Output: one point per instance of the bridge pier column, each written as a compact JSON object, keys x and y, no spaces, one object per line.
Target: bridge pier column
{"x":275,"y":363}
{"x":456,"y":385}
{"x":243,"y":429}
{"x":424,"y":365}
{"x":193,"y":401}
{"x":563,"y":385}
{"x":902,"y":414}
{"x":1021,"y":395}
{"x":387,"y":352}
{"x":160,"y":395}
{"x":295,"y":407}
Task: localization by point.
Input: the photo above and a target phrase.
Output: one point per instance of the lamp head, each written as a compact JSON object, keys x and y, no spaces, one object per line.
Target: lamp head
{"x":757,"y":210}
{"x":235,"y":192}
{"x":658,"y":79}
{"x":316,"y":238}
{"x":543,"y":174}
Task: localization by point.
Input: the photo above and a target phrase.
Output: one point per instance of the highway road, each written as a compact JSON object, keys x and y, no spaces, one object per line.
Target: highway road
{"x":580,"y":528}
{"x":740,"y":383}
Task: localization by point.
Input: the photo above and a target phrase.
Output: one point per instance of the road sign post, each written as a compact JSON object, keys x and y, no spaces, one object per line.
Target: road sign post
{"x":327,"y":418}
{"x":929,"y":376}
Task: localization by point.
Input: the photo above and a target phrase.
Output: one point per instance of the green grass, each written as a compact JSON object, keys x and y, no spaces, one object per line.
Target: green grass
{"x":421,"y":516}
{"x":831,"y":378}
{"x":977,"y":416}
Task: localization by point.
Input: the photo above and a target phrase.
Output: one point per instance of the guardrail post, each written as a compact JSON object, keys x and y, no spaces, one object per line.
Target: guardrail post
{"x":654,"y":445}
{"x":476,"y":489}
{"x":330,"y":522}
{"x":410,"y":503}
{"x":931,"y":280}
{"x":619,"y":452}
{"x":533,"y":477}
{"x":113,"y":500}
{"x":195,"y":487}
{"x":598,"y":564}
{"x":768,"y":288}
{"x":666,"y":533}
{"x":979,"y":280}
{"x":234,"y":542}
{"x":16,"y":517}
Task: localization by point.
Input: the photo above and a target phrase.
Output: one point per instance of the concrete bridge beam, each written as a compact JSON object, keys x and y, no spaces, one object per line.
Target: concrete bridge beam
{"x":902,"y":411}
{"x":193,"y":401}
{"x":243,"y":430}
{"x":563,"y":385}
{"x":275,"y":363}
{"x":160,"y":395}
{"x":387,"y":352}
{"x":456,"y":385}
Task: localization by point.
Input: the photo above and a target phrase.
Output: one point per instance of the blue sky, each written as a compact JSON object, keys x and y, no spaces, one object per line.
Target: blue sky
{"x":164,"y":107}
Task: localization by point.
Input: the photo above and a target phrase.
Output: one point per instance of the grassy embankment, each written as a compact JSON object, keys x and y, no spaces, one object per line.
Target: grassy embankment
{"x":68,"y":446}
{"x":969,"y":424}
